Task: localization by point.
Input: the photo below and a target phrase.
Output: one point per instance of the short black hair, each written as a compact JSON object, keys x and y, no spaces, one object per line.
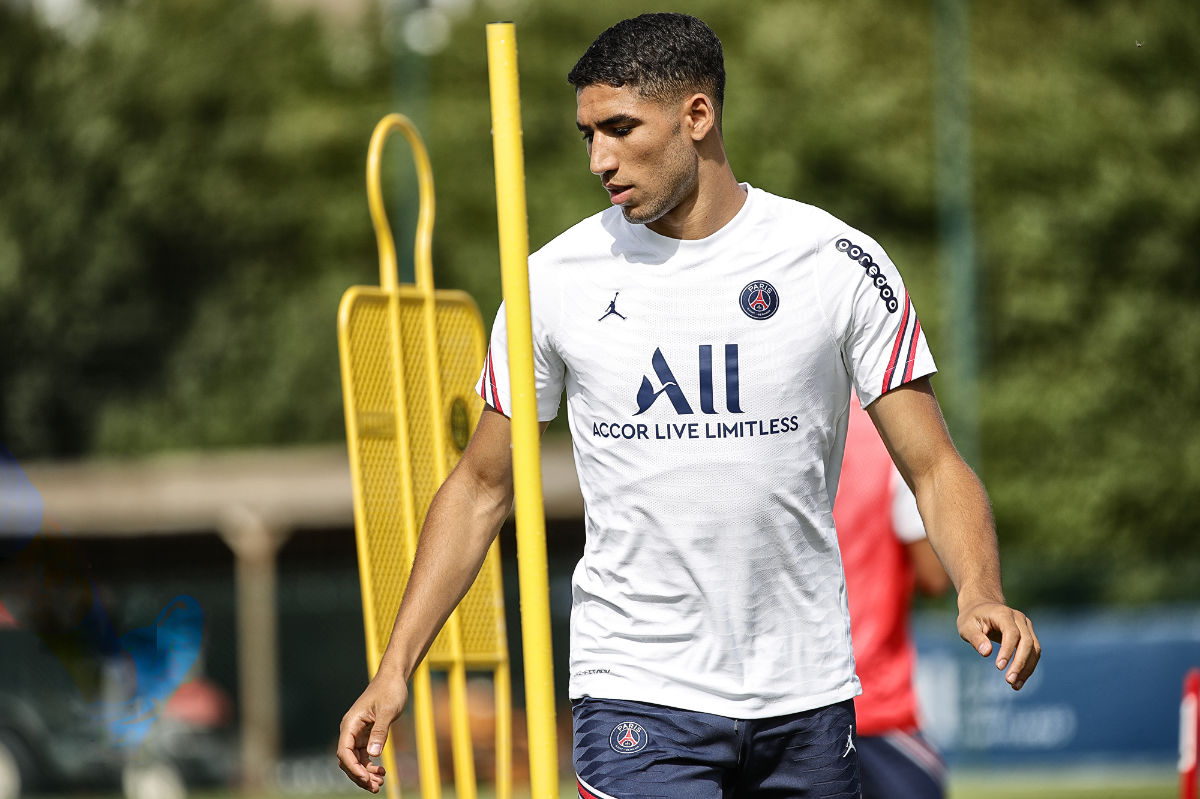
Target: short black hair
{"x":666,"y":56}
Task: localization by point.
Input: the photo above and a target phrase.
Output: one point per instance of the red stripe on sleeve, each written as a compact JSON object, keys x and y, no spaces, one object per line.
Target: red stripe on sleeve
{"x":887,"y":376}
{"x":495,"y":392}
{"x":483,"y":383}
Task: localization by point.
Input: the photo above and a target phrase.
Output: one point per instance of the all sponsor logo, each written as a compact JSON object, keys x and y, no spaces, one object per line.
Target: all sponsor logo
{"x":628,"y":737}
{"x":682,"y":399}
{"x":647,"y":394}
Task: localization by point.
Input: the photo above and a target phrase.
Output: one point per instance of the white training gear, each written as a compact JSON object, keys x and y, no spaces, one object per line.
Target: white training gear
{"x":707,"y":385}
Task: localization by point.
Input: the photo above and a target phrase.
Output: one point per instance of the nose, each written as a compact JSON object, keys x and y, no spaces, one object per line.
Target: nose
{"x":601,"y":156}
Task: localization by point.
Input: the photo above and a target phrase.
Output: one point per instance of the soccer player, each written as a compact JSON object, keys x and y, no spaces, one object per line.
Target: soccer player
{"x":885,"y":554}
{"x":710,"y":641}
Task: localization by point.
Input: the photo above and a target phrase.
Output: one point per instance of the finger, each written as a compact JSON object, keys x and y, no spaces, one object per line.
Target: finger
{"x":364,"y":759}
{"x":374,"y":774}
{"x":379,"y":734}
{"x":975,"y":635}
{"x":360,"y":781}
{"x":1029,"y":652}
{"x":349,"y":754}
{"x":1004,"y":629}
{"x":374,"y":782}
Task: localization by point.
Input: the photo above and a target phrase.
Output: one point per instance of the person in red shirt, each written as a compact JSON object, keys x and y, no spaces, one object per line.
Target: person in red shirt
{"x":885,"y":556}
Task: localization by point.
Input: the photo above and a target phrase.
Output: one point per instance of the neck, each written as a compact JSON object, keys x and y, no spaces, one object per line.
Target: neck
{"x":715,"y":201}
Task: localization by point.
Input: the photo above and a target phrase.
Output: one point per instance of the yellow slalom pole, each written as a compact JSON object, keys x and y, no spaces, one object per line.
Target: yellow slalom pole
{"x":533,"y":576}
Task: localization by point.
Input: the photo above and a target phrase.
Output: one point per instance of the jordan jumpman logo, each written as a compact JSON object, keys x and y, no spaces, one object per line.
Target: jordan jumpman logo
{"x":612,"y":309}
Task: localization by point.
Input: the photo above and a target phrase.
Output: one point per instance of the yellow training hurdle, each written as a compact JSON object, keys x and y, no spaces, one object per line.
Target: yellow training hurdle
{"x":410,"y":356}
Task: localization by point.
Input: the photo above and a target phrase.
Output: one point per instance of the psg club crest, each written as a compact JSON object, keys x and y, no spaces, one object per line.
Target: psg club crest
{"x":759,"y":300}
{"x":627,"y":737}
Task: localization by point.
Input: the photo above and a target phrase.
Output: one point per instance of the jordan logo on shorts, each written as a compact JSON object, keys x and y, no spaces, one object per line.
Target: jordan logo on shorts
{"x":850,"y":747}
{"x":628,"y":736}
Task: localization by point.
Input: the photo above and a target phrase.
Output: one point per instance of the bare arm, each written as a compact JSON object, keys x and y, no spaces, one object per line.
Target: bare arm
{"x":463,"y":520}
{"x":958,"y":521}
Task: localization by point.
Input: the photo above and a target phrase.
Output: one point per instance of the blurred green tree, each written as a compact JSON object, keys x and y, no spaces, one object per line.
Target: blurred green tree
{"x":183,"y":206}
{"x":1087,"y":165}
{"x":1086,"y":138}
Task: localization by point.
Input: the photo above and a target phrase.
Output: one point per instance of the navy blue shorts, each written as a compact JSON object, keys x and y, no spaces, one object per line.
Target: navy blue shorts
{"x":635,"y":750}
{"x":900,"y":765}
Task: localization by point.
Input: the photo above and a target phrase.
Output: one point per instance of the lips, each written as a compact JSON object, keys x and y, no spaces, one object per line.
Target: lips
{"x":618,"y":194}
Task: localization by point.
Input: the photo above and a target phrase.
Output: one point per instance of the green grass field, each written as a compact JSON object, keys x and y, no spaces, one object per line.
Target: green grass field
{"x":1074,"y":784}
{"x":1072,"y":787}
{"x":965,"y":788}
{"x":958,"y":791}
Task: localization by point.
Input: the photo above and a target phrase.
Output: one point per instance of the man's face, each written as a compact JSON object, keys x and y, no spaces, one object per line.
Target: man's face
{"x":638,"y":147}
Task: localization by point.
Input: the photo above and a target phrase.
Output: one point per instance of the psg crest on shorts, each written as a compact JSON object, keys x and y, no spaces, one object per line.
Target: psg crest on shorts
{"x":628,"y":736}
{"x":759,"y":300}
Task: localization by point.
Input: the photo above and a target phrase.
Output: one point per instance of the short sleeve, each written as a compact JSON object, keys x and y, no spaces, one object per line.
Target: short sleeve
{"x":495,"y":384}
{"x":883,"y":345}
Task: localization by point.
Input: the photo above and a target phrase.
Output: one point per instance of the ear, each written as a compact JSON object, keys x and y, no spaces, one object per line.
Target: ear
{"x":699,"y":116}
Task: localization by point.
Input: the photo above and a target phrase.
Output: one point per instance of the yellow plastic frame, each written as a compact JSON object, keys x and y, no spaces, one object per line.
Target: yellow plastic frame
{"x":409,"y":356}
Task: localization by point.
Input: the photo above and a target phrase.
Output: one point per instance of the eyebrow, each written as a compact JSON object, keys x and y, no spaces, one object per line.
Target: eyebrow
{"x":615,"y":119}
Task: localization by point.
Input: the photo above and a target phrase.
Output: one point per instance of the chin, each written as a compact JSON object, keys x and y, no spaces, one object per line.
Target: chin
{"x":640,"y":216}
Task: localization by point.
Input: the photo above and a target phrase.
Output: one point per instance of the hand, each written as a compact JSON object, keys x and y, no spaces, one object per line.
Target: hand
{"x":365,"y":729}
{"x":984,"y":622}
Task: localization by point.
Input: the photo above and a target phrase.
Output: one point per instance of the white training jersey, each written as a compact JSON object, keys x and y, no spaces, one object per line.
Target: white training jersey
{"x":707,"y":385}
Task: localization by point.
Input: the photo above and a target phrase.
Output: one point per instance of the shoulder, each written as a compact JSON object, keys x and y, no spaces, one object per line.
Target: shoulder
{"x":849,"y":266}
{"x":810,"y":229}
{"x":849,"y":260}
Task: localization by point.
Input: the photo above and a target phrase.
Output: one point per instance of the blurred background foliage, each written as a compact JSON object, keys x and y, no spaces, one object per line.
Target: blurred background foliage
{"x":183,"y":205}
